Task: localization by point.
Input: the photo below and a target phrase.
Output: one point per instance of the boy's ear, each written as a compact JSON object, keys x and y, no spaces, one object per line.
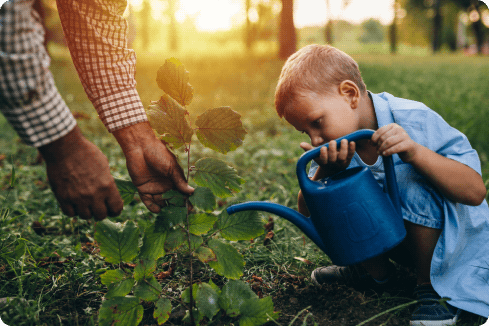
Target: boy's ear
{"x":351,"y":92}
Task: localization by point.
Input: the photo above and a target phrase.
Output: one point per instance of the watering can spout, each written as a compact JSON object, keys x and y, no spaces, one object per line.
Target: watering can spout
{"x":302,"y":222}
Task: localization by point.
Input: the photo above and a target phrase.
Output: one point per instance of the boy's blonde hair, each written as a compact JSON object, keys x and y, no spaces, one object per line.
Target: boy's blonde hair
{"x":315,"y":68}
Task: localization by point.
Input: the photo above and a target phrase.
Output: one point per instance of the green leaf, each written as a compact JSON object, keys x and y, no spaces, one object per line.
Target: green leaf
{"x":244,"y":225}
{"x":207,"y":300}
{"x":174,"y":198}
{"x":198,"y":316}
{"x":233,"y":295}
{"x":201,"y":223}
{"x":118,"y":242}
{"x":19,"y":250}
{"x":255,"y":312}
{"x":203,"y":198}
{"x":112,"y":276}
{"x":186,"y":293}
{"x":162,"y":310}
{"x":220,"y":178}
{"x":153,"y":244}
{"x":127,"y":190}
{"x":215,"y":287}
{"x":170,"y":217}
{"x":173,"y":78}
{"x":229,"y":262}
{"x":12,"y":176}
{"x":175,"y":239}
{"x":168,"y":119}
{"x":144,"y":269}
{"x":148,"y":289}
{"x":205,"y":254}
{"x":120,"y":289}
{"x":195,"y":241}
{"x":220,"y":129}
{"x":120,"y":311}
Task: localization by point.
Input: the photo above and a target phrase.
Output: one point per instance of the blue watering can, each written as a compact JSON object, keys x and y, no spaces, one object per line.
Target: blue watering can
{"x":352,"y":219}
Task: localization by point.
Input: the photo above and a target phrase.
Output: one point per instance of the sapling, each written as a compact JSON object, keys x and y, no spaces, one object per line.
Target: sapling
{"x":192,"y":225}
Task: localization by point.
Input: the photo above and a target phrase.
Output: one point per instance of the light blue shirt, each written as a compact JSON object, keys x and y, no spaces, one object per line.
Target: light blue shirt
{"x":460,"y":263}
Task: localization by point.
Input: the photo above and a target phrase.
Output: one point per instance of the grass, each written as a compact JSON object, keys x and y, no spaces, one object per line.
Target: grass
{"x":56,"y":274}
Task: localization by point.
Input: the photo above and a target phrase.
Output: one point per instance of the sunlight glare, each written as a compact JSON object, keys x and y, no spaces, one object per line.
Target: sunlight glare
{"x":212,"y":15}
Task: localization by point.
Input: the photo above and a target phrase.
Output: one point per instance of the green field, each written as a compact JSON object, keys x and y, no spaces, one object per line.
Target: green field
{"x":56,"y":272}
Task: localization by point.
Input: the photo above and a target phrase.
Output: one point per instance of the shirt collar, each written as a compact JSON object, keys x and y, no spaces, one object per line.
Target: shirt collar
{"x":382,"y":109}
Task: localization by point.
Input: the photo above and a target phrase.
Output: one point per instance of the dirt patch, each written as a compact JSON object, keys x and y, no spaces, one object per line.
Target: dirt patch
{"x":341,"y":305}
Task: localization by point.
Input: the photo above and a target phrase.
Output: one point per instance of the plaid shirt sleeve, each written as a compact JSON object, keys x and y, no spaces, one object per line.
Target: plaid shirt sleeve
{"x":96,"y":34}
{"x":28,"y":96}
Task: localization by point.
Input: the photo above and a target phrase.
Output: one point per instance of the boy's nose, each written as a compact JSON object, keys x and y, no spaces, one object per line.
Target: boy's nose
{"x":316,"y":141}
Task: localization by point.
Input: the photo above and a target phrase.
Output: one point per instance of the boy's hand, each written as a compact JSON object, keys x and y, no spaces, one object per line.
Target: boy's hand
{"x":331,"y":160}
{"x":393,"y":139}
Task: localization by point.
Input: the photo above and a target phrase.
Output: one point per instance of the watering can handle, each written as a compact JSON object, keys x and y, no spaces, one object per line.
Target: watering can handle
{"x":354,"y":136}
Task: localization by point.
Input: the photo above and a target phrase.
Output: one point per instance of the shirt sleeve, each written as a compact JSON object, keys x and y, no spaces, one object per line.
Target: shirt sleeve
{"x":29,"y":99}
{"x":429,"y":129}
{"x":96,"y":35}
{"x":451,"y":143}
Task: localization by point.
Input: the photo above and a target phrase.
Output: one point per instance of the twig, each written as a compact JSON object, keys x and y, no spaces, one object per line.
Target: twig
{"x":192,"y":319}
{"x":404,"y":305}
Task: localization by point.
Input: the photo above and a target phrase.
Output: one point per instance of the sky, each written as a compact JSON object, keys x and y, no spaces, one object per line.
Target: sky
{"x":211,"y":15}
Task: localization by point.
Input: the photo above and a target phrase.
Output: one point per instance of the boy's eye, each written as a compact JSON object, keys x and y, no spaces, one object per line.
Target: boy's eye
{"x":316,"y":122}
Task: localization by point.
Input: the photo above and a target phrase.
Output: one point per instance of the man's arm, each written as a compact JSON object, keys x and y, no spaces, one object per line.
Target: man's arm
{"x":96,"y":35}
{"x":29,"y":99}
{"x":33,"y":106}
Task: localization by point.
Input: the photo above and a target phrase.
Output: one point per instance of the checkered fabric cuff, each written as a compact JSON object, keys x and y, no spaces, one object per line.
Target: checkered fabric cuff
{"x":45,"y":119}
{"x":29,"y":99}
{"x":96,"y":32}
{"x":120,"y":110}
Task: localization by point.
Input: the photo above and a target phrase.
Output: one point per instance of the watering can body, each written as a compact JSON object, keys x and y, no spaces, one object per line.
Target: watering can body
{"x":352,"y":218}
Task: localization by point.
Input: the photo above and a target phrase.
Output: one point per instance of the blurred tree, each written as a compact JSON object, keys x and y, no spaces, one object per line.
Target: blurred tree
{"x":172,"y":33}
{"x":473,"y":8}
{"x":331,"y":21}
{"x":248,"y":31}
{"x":52,"y":25}
{"x":145,"y":20}
{"x":415,"y":27}
{"x":393,"y":29}
{"x":328,"y":29}
{"x":260,"y":21}
{"x":437,"y":25}
{"x":432,"y":9}
{"x":437,"y":9}
{"x":287,"y":33}
{"x":372,"y":31}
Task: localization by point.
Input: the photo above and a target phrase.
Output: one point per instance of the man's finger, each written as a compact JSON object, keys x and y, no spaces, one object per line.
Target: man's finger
{"x":180,"y":183}
{"x":83,"y":211}
{"x":114,"y":203}
{"x":67,"y":209}
{"x":148,"y":202}
{"x":99,"y":211}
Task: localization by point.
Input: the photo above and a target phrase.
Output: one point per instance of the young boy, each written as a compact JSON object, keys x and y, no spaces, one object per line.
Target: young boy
{"x":320,"y":92}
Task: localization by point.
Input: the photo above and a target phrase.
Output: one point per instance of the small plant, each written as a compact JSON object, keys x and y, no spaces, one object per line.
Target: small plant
{"x":191,"y":225}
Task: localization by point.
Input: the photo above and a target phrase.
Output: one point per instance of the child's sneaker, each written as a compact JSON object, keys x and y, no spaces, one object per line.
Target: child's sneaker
{"x":353,"y":275}
{"x":429,"y":311}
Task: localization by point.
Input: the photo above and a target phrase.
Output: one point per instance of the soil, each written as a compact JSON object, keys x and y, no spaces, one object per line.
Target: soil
{"x":342,"y":305}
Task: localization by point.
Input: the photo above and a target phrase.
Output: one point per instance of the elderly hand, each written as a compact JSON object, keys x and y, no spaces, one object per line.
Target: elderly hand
{"x":79,"y":175}
{"x":152,"y":167}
